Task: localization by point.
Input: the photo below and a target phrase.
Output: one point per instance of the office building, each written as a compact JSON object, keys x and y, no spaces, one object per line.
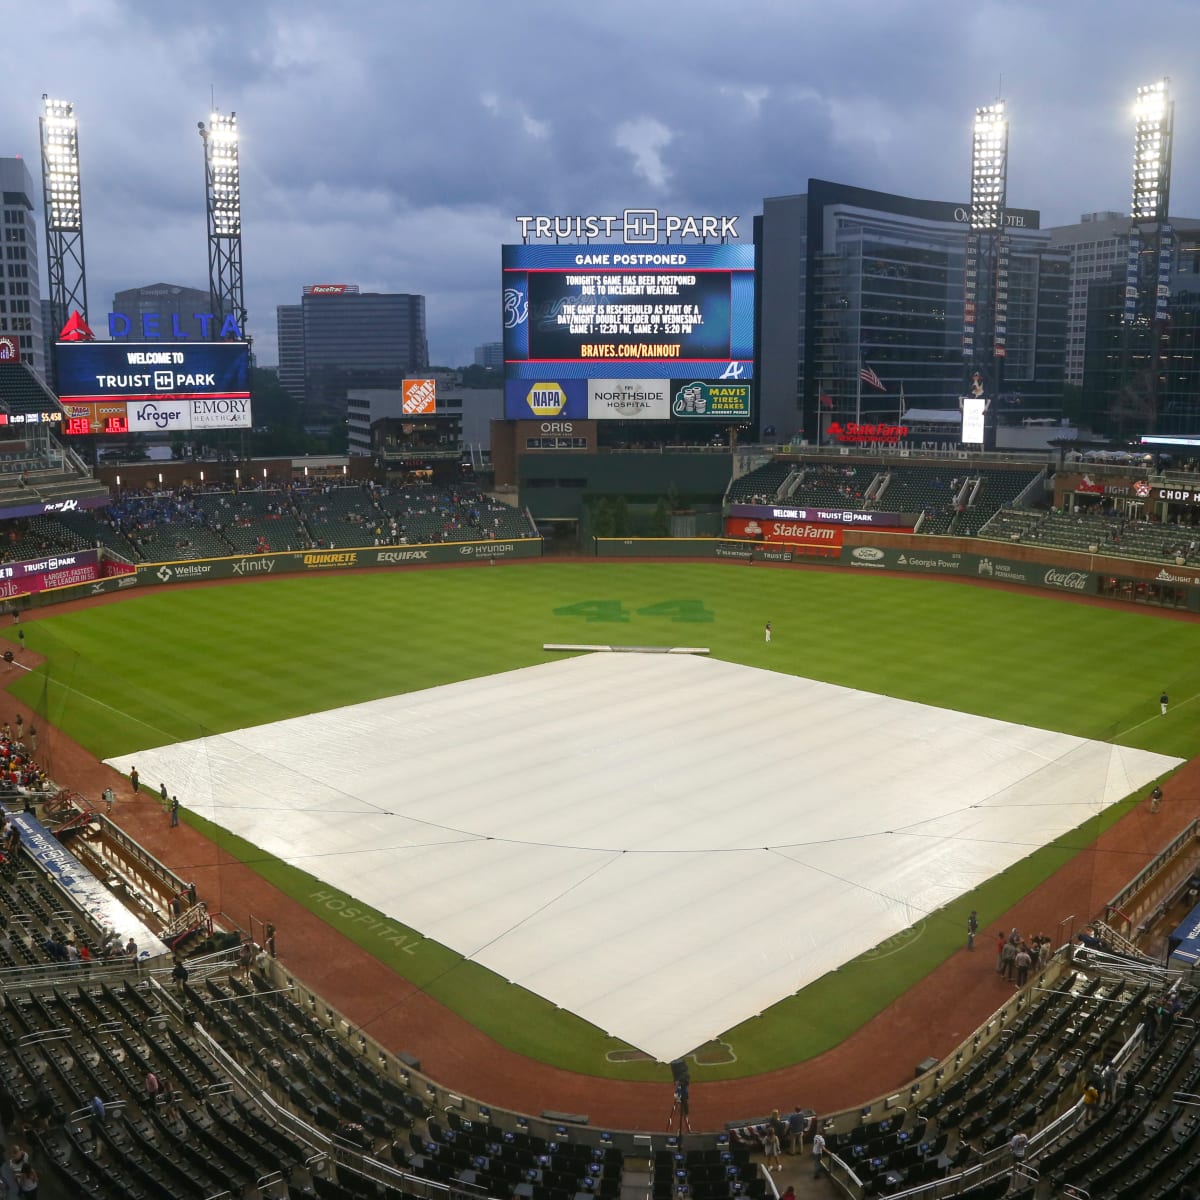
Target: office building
{"x":170,"y":309}
{"x":20,"y":281}
{"x":490,"y":355}
{"x":1144,"y":376}
{"x":289,"y":327}
{"x":351,"y":340}
{"x":1099,"y":250}
{"x":851,"y":278}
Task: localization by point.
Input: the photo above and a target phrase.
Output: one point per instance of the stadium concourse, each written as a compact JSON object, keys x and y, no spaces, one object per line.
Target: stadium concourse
{"x":929,"y":1020}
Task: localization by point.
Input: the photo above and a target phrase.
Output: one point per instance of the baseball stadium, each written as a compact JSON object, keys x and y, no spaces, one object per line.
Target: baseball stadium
{"x":457,"y":865}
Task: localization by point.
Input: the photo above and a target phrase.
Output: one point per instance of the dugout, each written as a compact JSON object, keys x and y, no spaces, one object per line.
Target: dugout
{"x":1183,"y":943}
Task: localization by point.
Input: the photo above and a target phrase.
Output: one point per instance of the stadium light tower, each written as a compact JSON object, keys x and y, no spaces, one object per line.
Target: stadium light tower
{"x":985,"y":294}
{"x":62,"y":200}
{"x":1150,"y":230}
{"x":222,"y":180}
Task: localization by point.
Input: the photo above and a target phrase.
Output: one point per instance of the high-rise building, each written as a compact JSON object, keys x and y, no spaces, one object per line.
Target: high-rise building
{"x":1098,"y":246}
{"x":20,"y":282}
{"x":490,"y":354}
{"x":289,"y":326}
{"x":354,"y":339}
{"x":1144,"y":376}
{"x":852,"y":279}
{"x":174,"y":312}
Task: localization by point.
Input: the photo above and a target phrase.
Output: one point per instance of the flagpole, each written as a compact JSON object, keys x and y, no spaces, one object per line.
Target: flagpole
{"x":900,"y":420}
{"x":858,"y":396}
{"x":820,"y":393}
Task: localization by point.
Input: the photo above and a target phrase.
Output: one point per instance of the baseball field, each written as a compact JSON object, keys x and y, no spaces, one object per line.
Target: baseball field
{"x":181,"y":664}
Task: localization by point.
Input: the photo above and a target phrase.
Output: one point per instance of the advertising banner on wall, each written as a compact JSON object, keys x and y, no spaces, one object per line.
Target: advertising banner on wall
{"x":694,"y":399}
{"x":629,"y":399}
{"x":159,"y":416}
{"x":800,"y":533}
{"x":419,"y":397}
{"x":545,"y":399}
{"x":851,"y":517}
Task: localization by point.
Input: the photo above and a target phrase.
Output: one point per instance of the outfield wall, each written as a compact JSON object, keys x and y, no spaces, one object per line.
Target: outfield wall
{"x":246,"y":566}
{"x":988,"y":561}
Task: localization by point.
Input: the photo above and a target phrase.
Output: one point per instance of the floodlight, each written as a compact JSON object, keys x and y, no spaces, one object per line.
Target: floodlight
{"x":1153,"y":118}
{"x":989,"y":167}
{"x":224,"y":196}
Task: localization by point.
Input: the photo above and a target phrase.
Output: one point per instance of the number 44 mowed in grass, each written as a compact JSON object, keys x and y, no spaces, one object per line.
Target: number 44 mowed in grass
{"x":692,"y":612}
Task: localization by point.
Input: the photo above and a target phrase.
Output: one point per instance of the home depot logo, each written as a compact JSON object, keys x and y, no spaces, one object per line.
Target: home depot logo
{"x":419,"y":396}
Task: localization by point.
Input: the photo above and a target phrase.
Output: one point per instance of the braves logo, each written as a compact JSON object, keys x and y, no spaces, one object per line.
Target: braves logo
{"x":516,"y":308}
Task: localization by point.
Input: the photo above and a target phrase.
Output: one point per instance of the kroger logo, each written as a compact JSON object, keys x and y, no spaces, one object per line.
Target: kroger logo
{"x":866,"y":554}
{"x":160,"y":418}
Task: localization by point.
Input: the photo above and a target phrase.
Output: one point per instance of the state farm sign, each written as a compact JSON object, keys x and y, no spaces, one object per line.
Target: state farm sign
{"x":796,"y":533}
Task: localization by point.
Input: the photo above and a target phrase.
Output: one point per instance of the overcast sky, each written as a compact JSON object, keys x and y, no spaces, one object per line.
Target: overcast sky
{"x":390,"y":143}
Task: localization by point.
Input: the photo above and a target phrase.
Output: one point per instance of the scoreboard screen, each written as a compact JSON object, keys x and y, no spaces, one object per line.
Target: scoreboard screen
{"x":605,"y":311}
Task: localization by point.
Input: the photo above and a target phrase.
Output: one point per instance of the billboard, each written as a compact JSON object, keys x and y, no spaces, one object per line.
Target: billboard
{"x":576,"y":311}
{"x":545,"y":399}
{"x":629,"y":399}
{"x":695,"y":400}
{"x":973,"y":410}
{"x":798,"y":533}
{"x":418,"y":397}
{"x":152,"y":370}
{"x":10,"y":348}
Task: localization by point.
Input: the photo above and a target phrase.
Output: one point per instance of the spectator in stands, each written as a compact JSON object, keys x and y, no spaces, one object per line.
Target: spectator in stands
{"x":1091,"y":1102}
{"x":98,"y":1110}
{"x":27,"y":1182}
{"x":818,"y":1151}
{"x":1108,"y":1083}
{"x":797,"y":1122}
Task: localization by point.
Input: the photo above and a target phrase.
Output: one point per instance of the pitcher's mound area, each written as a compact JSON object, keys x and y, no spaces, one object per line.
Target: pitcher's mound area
{"x":663,"y":845}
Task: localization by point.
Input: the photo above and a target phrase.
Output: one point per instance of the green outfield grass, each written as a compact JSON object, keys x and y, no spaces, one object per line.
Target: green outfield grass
{"x":184,"y":663}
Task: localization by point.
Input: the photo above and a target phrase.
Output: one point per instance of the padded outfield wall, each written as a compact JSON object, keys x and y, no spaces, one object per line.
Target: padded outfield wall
{"x":975,"y":558}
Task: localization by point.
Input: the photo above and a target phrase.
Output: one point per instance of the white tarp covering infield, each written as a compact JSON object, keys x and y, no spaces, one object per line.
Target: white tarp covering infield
{"x":663,"y":845}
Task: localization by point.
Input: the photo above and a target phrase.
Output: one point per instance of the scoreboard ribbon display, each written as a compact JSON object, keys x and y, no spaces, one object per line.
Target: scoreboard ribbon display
{"x":619,"y":311}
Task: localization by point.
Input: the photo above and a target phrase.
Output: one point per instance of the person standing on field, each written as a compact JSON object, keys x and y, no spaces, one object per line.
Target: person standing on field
{"x":767,"y":632}
{"x":1162,"y":702}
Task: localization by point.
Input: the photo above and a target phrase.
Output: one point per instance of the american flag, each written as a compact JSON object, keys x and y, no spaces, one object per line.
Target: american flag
{"x":869,"y":376}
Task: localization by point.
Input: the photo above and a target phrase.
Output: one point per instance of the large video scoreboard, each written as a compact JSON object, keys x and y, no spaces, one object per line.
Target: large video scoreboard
{"x":629,"y":311}
{"x":153,"y":387}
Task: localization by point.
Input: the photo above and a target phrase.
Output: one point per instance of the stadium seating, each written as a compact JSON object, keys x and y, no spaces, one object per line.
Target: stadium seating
{"x":251,"y":521}
{"x":834,"y":485}
{"x":1110,"y":535}
{"x":760,"y":486}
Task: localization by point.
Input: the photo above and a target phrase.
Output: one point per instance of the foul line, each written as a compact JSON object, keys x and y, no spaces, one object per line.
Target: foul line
{"x":120,"y":712}
{"x":1151,"y":720}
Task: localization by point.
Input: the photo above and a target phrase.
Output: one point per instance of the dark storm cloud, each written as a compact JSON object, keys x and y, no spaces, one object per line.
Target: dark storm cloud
{"x":391,"y":142}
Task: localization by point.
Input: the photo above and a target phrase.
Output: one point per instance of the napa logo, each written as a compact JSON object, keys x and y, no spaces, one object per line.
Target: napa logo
{"x":546,"y":399}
